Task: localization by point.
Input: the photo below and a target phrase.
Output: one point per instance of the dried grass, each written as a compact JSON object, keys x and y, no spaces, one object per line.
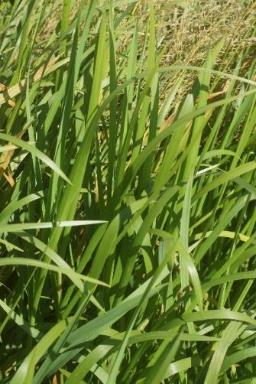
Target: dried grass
{"x":187,"y":30}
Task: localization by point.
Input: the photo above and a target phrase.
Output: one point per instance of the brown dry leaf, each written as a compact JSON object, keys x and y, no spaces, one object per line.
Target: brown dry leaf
{"x":15,"y":90}
{"x":11,"y":103}
{"x":2,"y":87}
{"x":55,"y":379}
{"x":8,"y":177}
{"x":6,"y":157}
{"x":5,"y":161}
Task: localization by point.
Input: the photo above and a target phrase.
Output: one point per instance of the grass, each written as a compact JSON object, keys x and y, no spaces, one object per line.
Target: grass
{"x":127,"y":210}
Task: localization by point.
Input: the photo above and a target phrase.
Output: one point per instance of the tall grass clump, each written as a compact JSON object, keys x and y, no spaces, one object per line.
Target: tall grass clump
{"x":127,"y":210}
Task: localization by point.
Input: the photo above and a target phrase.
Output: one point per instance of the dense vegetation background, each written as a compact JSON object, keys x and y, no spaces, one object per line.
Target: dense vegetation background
{"x":127,"y":182}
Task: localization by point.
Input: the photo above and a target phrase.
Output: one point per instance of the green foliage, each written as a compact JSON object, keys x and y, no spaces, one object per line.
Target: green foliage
{"x":127,"y":213}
